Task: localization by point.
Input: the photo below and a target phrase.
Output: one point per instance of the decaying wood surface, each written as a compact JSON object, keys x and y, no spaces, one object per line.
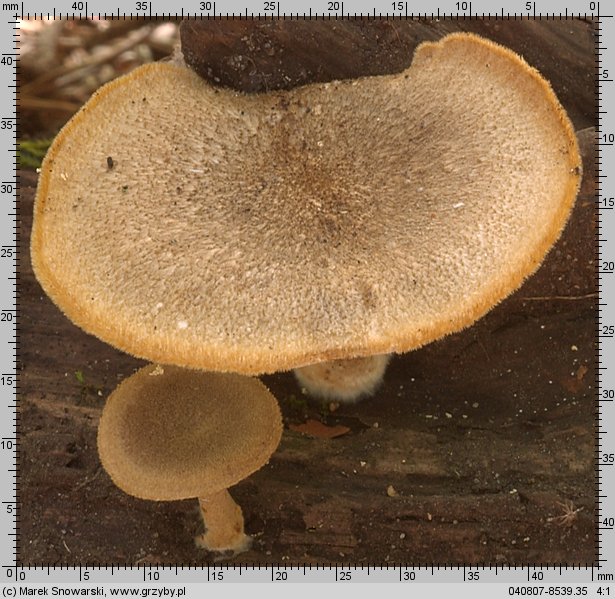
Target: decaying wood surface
{"x":478,"y":448}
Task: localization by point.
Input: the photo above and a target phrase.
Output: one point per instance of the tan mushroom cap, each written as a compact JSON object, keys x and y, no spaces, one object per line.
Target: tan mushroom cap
{"x":262,"y":233}
{"x":168,"y":433}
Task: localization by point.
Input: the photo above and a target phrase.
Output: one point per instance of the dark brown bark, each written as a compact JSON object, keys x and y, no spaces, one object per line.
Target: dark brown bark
{"x":257,"y":56}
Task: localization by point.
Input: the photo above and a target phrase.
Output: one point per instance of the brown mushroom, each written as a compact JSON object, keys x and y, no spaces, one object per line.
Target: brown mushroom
{"x":334,"y":221}
{"x":167,"y":433}
{"x":343,"y":380}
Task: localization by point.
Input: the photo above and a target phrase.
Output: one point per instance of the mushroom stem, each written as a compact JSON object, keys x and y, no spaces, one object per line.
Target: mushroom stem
{"x":223,"y":520}
{"x":343,"y":380}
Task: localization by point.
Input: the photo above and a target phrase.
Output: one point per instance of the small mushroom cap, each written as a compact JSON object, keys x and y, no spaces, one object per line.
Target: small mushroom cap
{"x":343,"y":380}
{"x":168,"y":433}
{"x":262,"y":233}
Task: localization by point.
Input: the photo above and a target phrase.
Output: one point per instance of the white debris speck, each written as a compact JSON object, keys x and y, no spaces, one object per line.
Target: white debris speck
{"x":475,"y":404}
{"x":320,"y":144}
{"x":157,"y":371}
{"x":391,"y":492}
{"x":448,"y":414}
{"x":63,"y":176}
{"x":363,"y":464}
{"x":458,"y":205}
{"x":182,"y":324}
{"x":574,"y":348}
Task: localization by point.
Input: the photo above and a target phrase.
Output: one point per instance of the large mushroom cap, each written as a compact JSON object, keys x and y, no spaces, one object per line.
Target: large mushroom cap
{"x":168,"y":433}
{"x":210,"y":229}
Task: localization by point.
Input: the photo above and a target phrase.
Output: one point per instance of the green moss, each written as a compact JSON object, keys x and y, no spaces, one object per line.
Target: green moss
{"x":296,"y":403}
{"x":32,"y":151}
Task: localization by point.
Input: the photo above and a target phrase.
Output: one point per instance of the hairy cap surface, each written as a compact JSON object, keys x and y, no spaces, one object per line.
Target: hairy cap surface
{"x":170,"y":433}
{"x":262,"y":233}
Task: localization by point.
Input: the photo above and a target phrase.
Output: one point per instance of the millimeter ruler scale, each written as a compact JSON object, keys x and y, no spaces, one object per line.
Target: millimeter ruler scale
{"x":588,"y":579}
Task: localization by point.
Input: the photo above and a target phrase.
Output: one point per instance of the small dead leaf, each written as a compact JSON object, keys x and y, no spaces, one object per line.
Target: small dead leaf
{"x":581,"y":372}
{"x":318,"y":430}
{"x":574,"y":383}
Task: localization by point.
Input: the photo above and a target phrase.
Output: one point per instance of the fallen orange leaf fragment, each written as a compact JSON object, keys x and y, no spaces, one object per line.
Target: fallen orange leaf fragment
{"x":314,"y":428}
{"x":581,"y":372}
